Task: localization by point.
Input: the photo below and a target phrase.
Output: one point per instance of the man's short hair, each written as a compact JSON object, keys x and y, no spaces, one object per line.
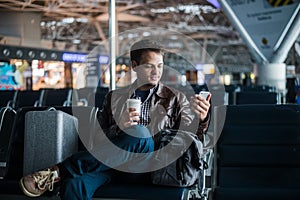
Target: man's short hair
{"x":141,"y":46}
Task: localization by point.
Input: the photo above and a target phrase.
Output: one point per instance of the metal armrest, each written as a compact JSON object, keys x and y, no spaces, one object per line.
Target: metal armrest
{"x":84,"y":102}
{"x":11,"y":104}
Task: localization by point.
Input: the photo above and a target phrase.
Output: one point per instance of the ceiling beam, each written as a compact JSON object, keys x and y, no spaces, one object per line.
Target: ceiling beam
{"x":99,"y":30}
{"x":70,"y":12}
{"x":205,"y":36}
{"x":123,"y":17}
{"x":124,"y":8}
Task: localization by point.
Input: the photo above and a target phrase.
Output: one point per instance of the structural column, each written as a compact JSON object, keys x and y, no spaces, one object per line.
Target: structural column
{"x":273,"y":74}
{"x":269,"y":58}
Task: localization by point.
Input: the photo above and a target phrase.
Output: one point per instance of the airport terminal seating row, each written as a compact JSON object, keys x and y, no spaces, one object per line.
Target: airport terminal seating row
{"x":89,"y":96}
{"x":43,"y":97}
{"x":239,"y":94}
{"x":257,"y":152}
{"x":94,"y":96}
{"x":125,"y":186}
{"x":256,"y":157}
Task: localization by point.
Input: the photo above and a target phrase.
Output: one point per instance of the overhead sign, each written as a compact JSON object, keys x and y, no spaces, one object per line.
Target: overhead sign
{"x":74,"y":57}
{"x":266,"y":21}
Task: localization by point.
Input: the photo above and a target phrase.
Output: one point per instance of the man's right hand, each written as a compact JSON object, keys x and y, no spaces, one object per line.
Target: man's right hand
{"x":129,"y":118}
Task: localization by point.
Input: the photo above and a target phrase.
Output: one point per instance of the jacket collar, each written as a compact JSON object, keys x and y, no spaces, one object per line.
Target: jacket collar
{"x":161,"y":90}
{"x":129,"y":90}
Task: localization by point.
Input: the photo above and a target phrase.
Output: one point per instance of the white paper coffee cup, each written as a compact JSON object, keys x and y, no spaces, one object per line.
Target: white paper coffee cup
{"x":134,"y":103}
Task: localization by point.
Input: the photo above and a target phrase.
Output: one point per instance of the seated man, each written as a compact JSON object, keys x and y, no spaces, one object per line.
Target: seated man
{"x":83,"y":173}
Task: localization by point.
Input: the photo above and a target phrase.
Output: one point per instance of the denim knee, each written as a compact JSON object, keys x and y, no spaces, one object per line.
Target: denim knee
{"x":138,"y":131}
{"x":136,"y":139}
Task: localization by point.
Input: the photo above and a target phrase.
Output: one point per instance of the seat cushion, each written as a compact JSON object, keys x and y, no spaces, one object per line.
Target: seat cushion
{"x":256,"y":194}
{"x":126,"y":186}
{"x":137,"y":186}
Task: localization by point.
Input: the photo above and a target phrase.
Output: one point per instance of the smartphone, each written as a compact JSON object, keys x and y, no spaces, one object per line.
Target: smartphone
{"x":204,"y":94}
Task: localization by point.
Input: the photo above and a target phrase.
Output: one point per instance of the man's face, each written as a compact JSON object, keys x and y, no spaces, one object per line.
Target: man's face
{"x":150,"y":70}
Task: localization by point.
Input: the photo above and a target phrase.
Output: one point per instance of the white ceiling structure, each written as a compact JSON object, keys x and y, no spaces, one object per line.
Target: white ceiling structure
{"x":84,"y":23}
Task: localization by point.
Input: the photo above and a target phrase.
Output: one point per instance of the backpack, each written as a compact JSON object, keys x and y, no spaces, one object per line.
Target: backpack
{"x":186,"y":169}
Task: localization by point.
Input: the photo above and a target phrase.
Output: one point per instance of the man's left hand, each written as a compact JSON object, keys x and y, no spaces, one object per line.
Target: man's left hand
{"x":200,"y":106}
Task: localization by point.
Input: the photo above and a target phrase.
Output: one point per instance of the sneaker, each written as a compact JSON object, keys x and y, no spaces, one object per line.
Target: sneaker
{"x":34,"y":185}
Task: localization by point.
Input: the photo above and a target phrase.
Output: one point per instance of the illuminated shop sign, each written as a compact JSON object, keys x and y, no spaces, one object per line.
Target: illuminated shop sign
{"x":74,"y":57}
{"x":103,"y":59}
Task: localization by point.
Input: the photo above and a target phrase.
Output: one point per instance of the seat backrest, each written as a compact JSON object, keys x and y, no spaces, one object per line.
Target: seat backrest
{"x":231,"y":89}
{"x":26,"y":98}
{"x":258,"y":88}
{"x":6,"y":96}
{"x":84,"y":92}
{"x":258,"y":97}
{"x":97,"y":98}
{"x":197,"y":88}
{"x":259,"y":147}
{"x":56,"y":97}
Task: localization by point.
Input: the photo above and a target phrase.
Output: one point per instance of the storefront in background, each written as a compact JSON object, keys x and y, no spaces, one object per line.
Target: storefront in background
{"x":28,"y":68}
{"x":14,"y":74}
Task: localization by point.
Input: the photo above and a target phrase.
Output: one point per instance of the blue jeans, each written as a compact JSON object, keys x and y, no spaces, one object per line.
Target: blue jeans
{"x":86,"y":173}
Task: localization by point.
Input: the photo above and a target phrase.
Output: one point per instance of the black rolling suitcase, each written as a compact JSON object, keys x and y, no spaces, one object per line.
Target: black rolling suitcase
{"x":50,"y":137}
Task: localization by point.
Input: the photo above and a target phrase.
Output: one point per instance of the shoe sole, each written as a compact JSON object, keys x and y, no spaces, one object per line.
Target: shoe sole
{"x":26,"y":192}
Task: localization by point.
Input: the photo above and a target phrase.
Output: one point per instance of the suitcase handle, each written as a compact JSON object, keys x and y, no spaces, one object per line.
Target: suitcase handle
{"x":51,"y":109}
